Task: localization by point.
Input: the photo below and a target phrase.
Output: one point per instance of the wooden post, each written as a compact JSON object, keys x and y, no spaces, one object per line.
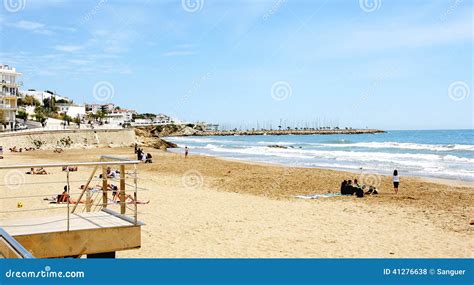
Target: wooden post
{"x":104,"y":187}
{"x":122,"y":189}
{"x":85,"y":188}
{"x":88,"y":200}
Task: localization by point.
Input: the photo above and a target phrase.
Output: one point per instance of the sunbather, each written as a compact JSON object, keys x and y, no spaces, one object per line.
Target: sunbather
{"x":128,"y":199}
{"x":71,"y":168}
{"x":39,"y":171}
{"x":64,"y":198}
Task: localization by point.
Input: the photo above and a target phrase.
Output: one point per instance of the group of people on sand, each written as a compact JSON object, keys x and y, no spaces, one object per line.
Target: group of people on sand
{"x":64,"y":197}
{"x":141,"y":156}
{"x":350,"y":188}
{"x":15,"y":149}
{"x":111,"y":173}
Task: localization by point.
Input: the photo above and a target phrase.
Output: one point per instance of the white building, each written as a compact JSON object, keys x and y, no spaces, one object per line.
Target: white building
{"x":72,"y":110}
{"x":42,"y":95}
{"x":119,"y":117}
{"x":8,"y":97}
{"x":94,"y":108}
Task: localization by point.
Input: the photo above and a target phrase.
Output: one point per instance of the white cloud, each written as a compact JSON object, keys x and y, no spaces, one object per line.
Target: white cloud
{"x":179,"y":53}
{"x":68,"y":48}
{"x":35,"y":27}
{"x":79,"y":61}
{"x":28,"y":25}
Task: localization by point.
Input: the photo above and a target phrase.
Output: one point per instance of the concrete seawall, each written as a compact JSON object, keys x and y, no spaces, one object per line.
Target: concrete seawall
{"x":67,"y":138}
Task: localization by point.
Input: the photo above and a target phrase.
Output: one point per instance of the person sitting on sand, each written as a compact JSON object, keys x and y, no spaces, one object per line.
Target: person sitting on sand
{"x":343,"y":187}
{"x":359,"y":191}
{"x":65,"y":198}
{"x":372,"y":191}
{"x":396,"y":181}
{"x":113,"y":188}
{"x":349,"y":190}
{"x":113,"y":173}
{"x":356,"y":183}
{"x":148,"y":158}
{"x":139,"y":154}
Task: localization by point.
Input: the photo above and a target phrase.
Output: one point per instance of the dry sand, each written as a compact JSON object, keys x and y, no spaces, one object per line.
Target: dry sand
{"x":208,"y":207}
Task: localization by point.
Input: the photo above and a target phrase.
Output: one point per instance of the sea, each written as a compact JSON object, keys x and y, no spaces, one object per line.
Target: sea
{"x":445,"y":154}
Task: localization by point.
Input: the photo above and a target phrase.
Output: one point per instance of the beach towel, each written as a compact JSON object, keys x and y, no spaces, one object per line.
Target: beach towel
{"x":317,"y":196}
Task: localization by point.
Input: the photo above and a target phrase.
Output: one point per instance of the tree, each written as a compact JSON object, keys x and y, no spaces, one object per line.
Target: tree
{"x":77,"y":121}
{"x":28,"y":101}
{"x":39,"y":113}
{"x":100,"y":115}
{"x":22,"y":115}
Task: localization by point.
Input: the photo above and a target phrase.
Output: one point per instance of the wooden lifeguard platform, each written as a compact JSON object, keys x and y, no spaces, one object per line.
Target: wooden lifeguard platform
{"x":94,"y":234}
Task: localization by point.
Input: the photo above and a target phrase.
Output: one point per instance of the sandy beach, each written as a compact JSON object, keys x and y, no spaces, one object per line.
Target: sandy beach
{"x":209,"y":207}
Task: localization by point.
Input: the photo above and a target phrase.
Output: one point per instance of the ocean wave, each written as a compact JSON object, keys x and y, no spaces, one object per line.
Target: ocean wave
{"x":340,"y":155}
{"x":275,"y":143}
{"x":398,"y":145}
{"x":202,"y":140}
{"x":433,"y":164}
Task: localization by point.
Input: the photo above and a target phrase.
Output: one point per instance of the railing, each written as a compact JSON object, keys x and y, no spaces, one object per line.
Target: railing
{"x":72,"y":207}
{"x":73,"y":127}
{"x":10,"y":248}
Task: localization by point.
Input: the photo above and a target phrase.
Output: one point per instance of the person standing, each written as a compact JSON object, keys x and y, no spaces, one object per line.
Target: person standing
{"x":396,"y":181}
{"x":186,"y":152}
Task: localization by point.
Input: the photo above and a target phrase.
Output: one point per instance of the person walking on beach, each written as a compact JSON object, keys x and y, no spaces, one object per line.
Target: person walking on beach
{"x":186,"y":152}
{"x":396,"y":181}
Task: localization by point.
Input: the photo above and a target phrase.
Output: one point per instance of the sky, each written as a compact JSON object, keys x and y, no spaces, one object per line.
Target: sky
{"x":387,"y":64}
